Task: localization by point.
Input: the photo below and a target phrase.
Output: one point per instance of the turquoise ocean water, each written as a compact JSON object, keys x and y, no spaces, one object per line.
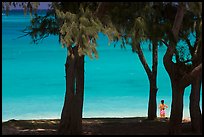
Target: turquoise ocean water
{"x":33,"y":82}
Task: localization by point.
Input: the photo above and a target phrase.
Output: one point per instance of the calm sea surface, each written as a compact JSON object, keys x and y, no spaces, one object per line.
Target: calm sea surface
{"x":33,"y":77}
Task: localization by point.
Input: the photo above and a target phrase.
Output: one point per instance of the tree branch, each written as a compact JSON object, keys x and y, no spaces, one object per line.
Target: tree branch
{"x":102,"y":8}
{"x":144,"y":63}
{"x":167,"y":60}
{"x":178,"y":21}
{"x":187,"y":79}
{"x":165,"y":43}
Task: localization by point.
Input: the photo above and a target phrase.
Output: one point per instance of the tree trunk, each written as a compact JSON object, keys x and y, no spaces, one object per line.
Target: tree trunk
{"x":71,"y":117}
{"x":79,"y":90}
{"x":173,"y":72}
{"x":152,"y":106}
{"x":177,"y":92}
{"x":177,"y":96}
{"x":179,"y":82}
{"x":195,"y":112}
{"x":176,"y":108}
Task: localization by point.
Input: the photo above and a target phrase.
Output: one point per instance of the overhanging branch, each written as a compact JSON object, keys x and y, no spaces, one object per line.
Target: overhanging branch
{"x":190,"y":77}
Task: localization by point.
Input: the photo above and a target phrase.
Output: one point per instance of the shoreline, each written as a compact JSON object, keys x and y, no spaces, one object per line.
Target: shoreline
{"x":96,"y":126}
{"x":184,"y":119}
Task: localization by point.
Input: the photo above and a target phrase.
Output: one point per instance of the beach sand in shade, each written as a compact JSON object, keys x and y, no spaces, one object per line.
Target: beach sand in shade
{"x":96,"y":126}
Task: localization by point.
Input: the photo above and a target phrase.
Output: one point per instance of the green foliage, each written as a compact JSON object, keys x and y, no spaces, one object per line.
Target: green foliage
{"x":122,"y":17}
{"x":42,"y":26}
{"x":138,"y":20}
{"x":192,"y":26}
{"x":196,"y":8}
{"x":76,"y":24}
{"x":80,"y":30}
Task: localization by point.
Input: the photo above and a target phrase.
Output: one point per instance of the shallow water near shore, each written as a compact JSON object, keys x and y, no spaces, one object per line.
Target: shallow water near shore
{"x":33,"y":78}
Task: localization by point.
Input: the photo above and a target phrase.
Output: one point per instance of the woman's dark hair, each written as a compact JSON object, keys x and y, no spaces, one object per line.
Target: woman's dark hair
{"x":162,"y":101}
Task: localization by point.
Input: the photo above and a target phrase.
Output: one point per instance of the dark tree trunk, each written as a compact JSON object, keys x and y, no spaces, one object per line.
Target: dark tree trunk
{"x":194,"y":78}
{"x":175,"y":77}
{"x":179,"y":82}
{"x":152,"y":106}
{"x":177,"y":101}
{"x":79,"y":90}
{"x":195,"y":112}
{"x":176,"y":108}
{"x":71,"y":117}
{"x":177,"y":92}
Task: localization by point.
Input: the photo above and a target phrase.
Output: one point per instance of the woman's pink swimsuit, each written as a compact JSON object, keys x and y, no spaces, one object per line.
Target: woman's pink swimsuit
{"x":162,"y":112}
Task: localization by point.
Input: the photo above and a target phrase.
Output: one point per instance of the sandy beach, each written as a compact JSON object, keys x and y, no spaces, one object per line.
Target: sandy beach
{"x":95,"y":126}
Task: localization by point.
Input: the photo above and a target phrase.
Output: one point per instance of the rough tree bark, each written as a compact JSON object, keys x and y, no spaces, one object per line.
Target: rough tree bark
{"x":71,"y":116}
{"x":175,"y":77}
{"x":152,"y":76}
{"x":152,"y":106}
{"x":179,"y":81}
{"x":177,"y":92}
{"x":195,"y":112}
{"x":194,"y":78}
